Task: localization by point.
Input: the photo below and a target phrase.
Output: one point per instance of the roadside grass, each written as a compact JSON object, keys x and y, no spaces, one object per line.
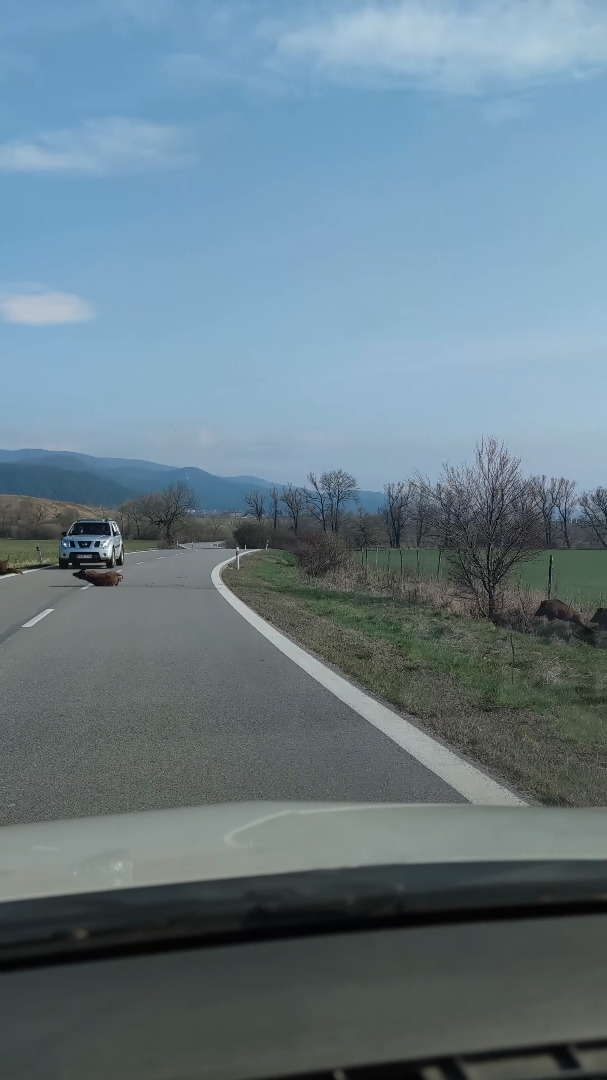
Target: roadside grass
{"x":22,"y":554}
{"x":539,"y":722}
{"x":579,"y":577}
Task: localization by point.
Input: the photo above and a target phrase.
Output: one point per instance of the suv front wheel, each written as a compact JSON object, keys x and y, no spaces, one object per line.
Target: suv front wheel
{"x":120,"y":559}
{"x":111,"y":562}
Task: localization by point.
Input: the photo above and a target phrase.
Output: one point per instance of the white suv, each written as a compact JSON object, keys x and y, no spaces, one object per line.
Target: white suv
{"x":91,"y":541}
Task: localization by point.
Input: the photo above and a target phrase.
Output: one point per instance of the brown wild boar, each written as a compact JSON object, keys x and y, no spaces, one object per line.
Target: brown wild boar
{"x":96,"y":577}
{"x":556,"y":609}
{"x":600,"y":617}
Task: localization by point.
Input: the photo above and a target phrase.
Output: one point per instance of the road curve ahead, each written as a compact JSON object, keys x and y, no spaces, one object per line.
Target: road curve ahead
{"x":159,"y":694}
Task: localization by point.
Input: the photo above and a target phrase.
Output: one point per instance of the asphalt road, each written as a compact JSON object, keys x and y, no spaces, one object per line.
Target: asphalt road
{"x":158,"y":694}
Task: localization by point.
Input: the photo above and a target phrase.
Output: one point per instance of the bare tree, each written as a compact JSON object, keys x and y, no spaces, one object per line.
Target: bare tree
{"x":593,"y":516}
{"x":256,"y":502}
{"x":395,"y":509}
{"x":555,"y":501}
{"x":216,"y":526}
{"x":545,"y":493}
{"x":493,"y":523}
{"x":132,"y":515}
{"x":544,"y":497}
{"x":42,"y":513}
{"x":329,"y":497}
{"x":365,"y":529}
{"x":274,"y":498}
{"x":294,"y":499}
{"x":166,"y":510}
{"x":317,"y":502}
{"x":566,"y":503}
{"x":422,"y":514}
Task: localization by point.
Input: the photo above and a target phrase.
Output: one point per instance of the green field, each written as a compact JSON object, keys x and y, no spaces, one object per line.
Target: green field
{"x":23,"y":554}
{"x":578,"y":576}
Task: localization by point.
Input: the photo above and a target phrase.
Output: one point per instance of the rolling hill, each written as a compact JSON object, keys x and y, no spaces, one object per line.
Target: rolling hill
{"x":47,"y":482}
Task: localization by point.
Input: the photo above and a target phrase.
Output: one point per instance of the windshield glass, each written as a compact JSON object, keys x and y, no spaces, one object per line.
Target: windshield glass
{"x":90,"y":528}
{"x":307,"y":299}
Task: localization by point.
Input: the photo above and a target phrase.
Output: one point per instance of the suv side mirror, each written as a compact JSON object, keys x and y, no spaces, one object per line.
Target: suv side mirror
{"x":64,"y":534}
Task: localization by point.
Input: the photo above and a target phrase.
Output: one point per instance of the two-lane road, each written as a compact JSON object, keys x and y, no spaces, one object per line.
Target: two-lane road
{"x":158,"y":694}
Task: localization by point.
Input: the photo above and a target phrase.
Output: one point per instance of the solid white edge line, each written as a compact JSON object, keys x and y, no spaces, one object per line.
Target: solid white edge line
{"x":37,"y":618}
{"x":33,"y":570}
{"x":469,"y":781}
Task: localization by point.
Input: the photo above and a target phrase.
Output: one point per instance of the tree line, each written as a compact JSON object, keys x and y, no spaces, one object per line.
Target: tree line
{"x":487,"y":517}
{"x":567,"y":518}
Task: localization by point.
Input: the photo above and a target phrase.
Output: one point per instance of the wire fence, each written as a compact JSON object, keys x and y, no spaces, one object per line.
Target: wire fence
{"x":576,"y":576}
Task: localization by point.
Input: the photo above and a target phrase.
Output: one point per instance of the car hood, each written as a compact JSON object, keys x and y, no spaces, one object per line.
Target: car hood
{"x":249,"y":839}
{"x":88,"y":539}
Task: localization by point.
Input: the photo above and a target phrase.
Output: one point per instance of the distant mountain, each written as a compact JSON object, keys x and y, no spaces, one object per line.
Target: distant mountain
{"x":62,"y":474}
{"x":253,"y":482}
{"x":66,"y":459}
{"x":61,"y":484}
{"x":371,"y":500}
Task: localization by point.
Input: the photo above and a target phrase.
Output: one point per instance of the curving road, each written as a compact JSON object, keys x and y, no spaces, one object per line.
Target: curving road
{"x":158,"y":694}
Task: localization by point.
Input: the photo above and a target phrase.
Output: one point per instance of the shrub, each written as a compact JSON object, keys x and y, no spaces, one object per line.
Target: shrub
{"x":255,"y":534}
{"x":36,"y":532}
{"x":322,"y":553}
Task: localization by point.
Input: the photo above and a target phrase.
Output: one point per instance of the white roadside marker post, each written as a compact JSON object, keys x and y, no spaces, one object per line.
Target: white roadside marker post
{"x":238,"y":558}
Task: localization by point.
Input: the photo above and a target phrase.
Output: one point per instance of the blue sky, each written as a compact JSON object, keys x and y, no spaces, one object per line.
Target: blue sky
{"x":271,"y":236}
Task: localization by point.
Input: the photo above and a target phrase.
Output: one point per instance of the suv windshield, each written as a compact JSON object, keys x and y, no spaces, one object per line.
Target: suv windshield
{"x":90,"y":528}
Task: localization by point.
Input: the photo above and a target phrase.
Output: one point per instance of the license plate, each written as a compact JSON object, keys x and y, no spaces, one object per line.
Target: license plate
{"x":84,"y":556}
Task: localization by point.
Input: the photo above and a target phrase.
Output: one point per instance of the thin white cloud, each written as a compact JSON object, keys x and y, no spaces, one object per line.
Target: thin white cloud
{"x":498,"y":111}
{"x":457,"y":46}
{"x":195,"y":71}
{"x":43,"y":308}
{"x":98,"y":148}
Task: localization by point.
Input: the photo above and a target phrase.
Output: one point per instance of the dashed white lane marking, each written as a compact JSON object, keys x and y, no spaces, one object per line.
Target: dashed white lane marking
{"x":85,"y":587}
{"x":159,"y":557}
{"x":37,"y":618}
{"x":460,"y":774}
{"x":139,"y":563}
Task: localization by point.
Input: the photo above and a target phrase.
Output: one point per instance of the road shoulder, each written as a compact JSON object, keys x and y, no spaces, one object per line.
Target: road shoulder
{"x":462,"y":775}
{"x":442,"y":670}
